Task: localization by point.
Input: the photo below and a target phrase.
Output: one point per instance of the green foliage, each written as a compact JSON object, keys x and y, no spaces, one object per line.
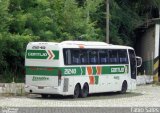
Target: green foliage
{"x":125,"y":17}
{"x":23,"y":21}
{"x":5,"y":17}
{"x":12,"y":54}
{"x":7,"y":76}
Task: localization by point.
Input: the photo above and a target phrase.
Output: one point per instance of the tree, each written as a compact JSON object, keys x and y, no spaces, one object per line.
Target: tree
{"x":4,"y":22}
{"x":125,"y":17}
{"x":22,"y":21}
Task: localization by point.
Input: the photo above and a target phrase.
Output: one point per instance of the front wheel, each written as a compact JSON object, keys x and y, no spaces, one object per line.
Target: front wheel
{"x":124,"y":87}
{"x":76,"y":91}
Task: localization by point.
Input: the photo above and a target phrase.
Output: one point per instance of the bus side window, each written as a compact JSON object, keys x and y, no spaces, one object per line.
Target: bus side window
{"x":123,"y":58}
{"x":67,"y":56}
{"x":84,"y":56}
{"x":103,"y":56}
{"x":113,"y":57}
{"x":93,"y":57}
{"x":75,"y":57}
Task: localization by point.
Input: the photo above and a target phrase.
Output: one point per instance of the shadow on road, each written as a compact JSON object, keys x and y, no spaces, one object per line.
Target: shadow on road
{"x":97,"y":96}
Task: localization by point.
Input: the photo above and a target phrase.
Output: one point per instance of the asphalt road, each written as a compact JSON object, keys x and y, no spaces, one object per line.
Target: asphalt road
{"x":144,"y":99}
{"x":143,"y":96}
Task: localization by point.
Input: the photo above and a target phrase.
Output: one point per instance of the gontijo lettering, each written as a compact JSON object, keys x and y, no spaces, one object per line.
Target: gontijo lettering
{"x":42,"y":54}
{"x":118,"y":69}
{"x":37,"y":54}
{"x":121,"y":69}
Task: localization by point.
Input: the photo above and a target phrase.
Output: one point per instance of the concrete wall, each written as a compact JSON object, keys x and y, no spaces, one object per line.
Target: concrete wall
{"x":145,"y":49}
{"x":147,"y":45}
{"x":144,"y":79}
{"x":12,"y":88}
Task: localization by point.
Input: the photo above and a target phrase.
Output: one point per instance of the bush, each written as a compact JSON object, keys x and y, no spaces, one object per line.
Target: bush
{"x":12,"y":56}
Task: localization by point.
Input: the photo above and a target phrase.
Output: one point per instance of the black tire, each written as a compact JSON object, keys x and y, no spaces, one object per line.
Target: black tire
{"x":76,"y":91}
{"x":85,"y":90}
{"x":124,"y":87}
{"x":44,"y":95}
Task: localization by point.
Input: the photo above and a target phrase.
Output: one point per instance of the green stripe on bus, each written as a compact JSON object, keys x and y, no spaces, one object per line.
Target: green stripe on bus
{"x":75,"y":71}
{"x":67,"y":71}
{"x":56,"y":53}
{"x":49,"y":71}
{"x":96,"y":78}
{"x":83,"y":70}
{"x":114,"y":69}
{"x":105,"y":70}
{"x":94,"y":70}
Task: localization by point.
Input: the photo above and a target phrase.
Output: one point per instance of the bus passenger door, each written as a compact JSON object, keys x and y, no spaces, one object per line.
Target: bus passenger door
{"x":133,"y":68}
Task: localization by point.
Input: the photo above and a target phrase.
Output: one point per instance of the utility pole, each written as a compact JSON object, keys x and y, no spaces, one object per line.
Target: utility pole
{"x":107,"y":21}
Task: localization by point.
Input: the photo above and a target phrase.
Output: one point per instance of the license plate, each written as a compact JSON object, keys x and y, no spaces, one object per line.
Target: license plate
{"x":40,"y":87}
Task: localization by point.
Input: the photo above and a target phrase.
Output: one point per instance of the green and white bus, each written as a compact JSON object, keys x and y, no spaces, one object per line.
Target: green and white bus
{"x":79,"y":68}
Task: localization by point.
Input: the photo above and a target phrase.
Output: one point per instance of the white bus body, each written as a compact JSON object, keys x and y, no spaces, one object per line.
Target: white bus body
{"x":79,"y":68}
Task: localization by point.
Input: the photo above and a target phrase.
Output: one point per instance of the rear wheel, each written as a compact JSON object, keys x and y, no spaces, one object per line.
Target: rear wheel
{"x":124,"y":87}
{"x":76,"y":91}
{"x":85,"y":90}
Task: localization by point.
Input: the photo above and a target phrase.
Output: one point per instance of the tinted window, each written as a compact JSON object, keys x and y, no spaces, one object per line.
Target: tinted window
{"x":84,"y":56}
{"x":93,"y":56}
{"x":113,"y":57}
{"x":67,"y":56}
{"x":103,"y":56}
{"x":123,"y":57}
{"x":75,"y":56}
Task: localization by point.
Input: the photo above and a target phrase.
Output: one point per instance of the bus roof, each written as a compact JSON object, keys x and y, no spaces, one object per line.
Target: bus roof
{"x":85,"y":43}
{"x":82,"y":44}
{"x":92,"y":44}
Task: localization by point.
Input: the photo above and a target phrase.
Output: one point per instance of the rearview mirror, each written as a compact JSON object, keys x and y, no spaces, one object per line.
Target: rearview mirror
{"x":139,"y":61}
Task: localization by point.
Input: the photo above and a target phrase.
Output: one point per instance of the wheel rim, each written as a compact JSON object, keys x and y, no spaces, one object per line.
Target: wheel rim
{"x":86,"y":90}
